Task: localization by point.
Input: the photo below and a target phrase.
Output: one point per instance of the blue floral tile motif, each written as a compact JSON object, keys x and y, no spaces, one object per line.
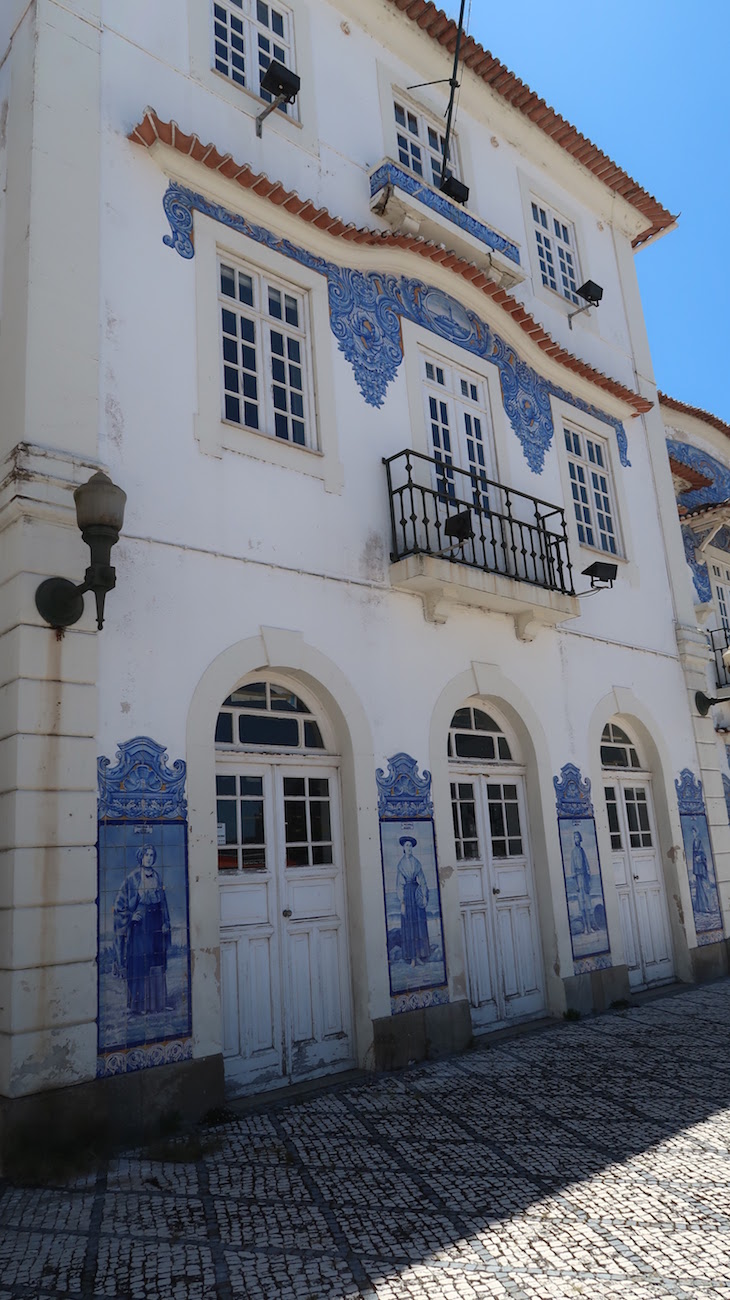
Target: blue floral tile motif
{"x":700,"y":571}
{"x":391,"y":174}
{"x":581,"y":871}
{"x":572,"y":793}
{"x":698,"y":854}
{"x":366,"y":309}
{"x":417,"y":1001}
{"x":401,"y":791}
{"x":144,"y":1016}
{"x":718,"y":490}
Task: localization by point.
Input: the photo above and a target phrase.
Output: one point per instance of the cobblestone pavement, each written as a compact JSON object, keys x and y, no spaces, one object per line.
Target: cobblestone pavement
{"x":589,"y":1160}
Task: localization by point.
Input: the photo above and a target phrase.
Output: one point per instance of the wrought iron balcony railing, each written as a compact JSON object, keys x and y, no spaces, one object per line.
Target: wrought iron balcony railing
{"x":463,"y":516}
{"x":719,"y":640}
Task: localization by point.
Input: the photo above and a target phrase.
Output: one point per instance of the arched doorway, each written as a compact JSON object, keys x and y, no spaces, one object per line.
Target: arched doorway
{"x":637,"y":869}
{"x":495,"y":870}
{"x":285,"y":973}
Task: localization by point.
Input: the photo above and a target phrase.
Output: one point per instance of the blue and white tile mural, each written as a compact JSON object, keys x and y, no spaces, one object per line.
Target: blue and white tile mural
{"x":700,"y":862}
{"x":366,"y":311}
{"x":416,"y":959}
{"x":144,"y":932}
{"x":581,"y":870}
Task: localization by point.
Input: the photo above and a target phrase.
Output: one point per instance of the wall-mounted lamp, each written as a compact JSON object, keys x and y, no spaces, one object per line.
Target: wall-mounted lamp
{"x":460,"y":529}
{"x":283,"y":84}
{"x":703,"y":703}
{"x":602,"y":576}
{"x":100,"y":515}
{"x":591,"y":293}
{"x":454,"y":189}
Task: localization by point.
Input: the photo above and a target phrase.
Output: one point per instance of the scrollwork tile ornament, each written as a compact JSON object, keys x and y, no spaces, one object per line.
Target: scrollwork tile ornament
{"x":700,"y":572}
{"x":141,"y":785}
{"x":689,"y":794}
{"x":572,"y":792}
{"x":718,"y":490}
{"x":402,"y":792}
{"x":366,"y":309}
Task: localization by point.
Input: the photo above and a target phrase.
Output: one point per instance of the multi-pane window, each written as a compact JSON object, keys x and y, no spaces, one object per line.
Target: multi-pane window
{"x":637,"y":816}
{"x":264,"y":355}
{"x":420,"y":143}
{"x":240,"y":818}
{"x":504,"y":820}
{"x":307,"y":821}
{"x":474,"y":734}
{"x":556,"y":251}
{"x":721,"y":583}
{"x":464,"y":812}
{"x":247,"y":35}
{"x":264,"y":714}
{"x":457,"y":421}
{"x":617,"y":748}
{"x":590,"y":487}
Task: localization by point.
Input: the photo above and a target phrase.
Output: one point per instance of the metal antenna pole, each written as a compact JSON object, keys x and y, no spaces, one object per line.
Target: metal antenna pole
{"x":454,"y":87}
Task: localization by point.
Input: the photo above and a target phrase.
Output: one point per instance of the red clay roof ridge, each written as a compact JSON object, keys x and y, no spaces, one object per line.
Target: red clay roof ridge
{"x":673,"y":404}
{"x":495,"y":74}
{"x":152,"y":128}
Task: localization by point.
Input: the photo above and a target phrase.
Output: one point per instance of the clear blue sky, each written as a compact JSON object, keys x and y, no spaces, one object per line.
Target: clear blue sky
{"x":647,"y":81}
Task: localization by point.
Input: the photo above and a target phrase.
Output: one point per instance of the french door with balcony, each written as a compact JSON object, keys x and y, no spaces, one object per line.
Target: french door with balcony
{"x":285,"y":979}
{"x":460,"y":436}
{"x":638,"y":878}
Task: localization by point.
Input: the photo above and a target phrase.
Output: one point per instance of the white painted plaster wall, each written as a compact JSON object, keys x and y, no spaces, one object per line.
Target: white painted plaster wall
{"x":216,"y":547}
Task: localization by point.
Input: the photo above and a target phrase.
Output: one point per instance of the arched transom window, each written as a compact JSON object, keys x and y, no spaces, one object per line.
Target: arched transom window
{"x":267,"y":715}
{"x":475,"y":734}
{"x":617,"y":748}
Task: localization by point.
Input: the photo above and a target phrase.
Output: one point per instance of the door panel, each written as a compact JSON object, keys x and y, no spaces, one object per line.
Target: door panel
{"x":639,"y":882}
{"x":284,"y":962}
{"x":501,"y":943}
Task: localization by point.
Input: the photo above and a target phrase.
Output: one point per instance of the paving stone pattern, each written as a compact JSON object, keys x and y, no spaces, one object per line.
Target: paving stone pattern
{"x":587,"y":1160}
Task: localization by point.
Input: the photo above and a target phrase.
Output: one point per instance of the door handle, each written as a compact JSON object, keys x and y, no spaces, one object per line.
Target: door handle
{"x":636,"y":877}
{"x":496,"y":891}
{"x":286,"y":912}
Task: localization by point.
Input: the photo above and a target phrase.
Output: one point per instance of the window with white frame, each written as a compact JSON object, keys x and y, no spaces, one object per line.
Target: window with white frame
{"x":247,"y":35}
{"x":460,"y":434}
{"x":265,"y":354}
{"x":420,"y":141}
{"x":591,"y":490}
{"x":721,"y":587}
{"x":557,"y":253}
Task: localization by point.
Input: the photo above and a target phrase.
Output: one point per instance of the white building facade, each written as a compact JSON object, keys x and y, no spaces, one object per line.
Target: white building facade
{"x":359,"y":765}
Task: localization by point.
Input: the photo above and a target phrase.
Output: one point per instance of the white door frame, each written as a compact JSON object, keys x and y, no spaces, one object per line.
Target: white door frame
{"x":626,"y":879}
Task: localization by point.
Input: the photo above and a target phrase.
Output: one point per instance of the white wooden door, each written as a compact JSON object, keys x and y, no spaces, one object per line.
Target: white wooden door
{"x":456,"y":415}
{"x":285,"y":986}
{"x":496,"y":890}
{"x":639,"y":882}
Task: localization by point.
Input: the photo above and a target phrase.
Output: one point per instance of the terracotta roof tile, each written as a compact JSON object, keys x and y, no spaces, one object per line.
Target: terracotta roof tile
{"x":526,"y":101}
{"x":673,"y":404}
{"x":152,"y":128}
{"x":689,"y":475}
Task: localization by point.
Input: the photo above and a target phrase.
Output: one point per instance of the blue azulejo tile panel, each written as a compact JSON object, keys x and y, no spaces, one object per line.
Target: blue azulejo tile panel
{"x":718,"y":489}
{"x":700,"y":573}
{"x":581,"y":870}
{"x":143,"y":912}
{"x":391,"y":174}
{"x":698,"y":855}
{"x":414,"y":925}
{"x":366,"y":310}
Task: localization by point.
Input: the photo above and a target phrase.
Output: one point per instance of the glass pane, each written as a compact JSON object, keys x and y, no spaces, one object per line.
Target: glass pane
{"x":227,"y":860}
{"x":294,"y":785}
{"x":321,"y":854}
{"x":462,"y":718}
{"x":319,"y":787}
{"x":252,"y":785}
{"x":252,"y":822}
{"x":483,"y":722}
{"x":312,"y":736}
{"x":504,"y":749}
{"x":319,"y":814}
{"x":254,"y":858}
{"x":295,"y":820}
{"x":224,"y":729}
{"x":480,"y":746}
{"x":225,"y":785}
{"x":284,"y":701}
{"x":468,"y":821}
{"x":496,"y":819}
{"x":268,"y":731}
{"x":297,"y":857}
{"x":226,"y":816}
{"x":252,"y":696}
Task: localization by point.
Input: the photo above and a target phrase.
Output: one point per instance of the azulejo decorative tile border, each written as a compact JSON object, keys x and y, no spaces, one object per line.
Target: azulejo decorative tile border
{"x":417,"y":1001}
{"x":144,"y":1057}
{"x":700,"y":572}
{"x":366,"y":309}
{"x":581,"y":871}
{"x":700,"y":861}
{"x":390,"y":174}
{"x":694,"y":457}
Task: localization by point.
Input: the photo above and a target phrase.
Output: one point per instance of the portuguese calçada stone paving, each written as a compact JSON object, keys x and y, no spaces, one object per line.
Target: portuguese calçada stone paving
{"x":588,"y":1160}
